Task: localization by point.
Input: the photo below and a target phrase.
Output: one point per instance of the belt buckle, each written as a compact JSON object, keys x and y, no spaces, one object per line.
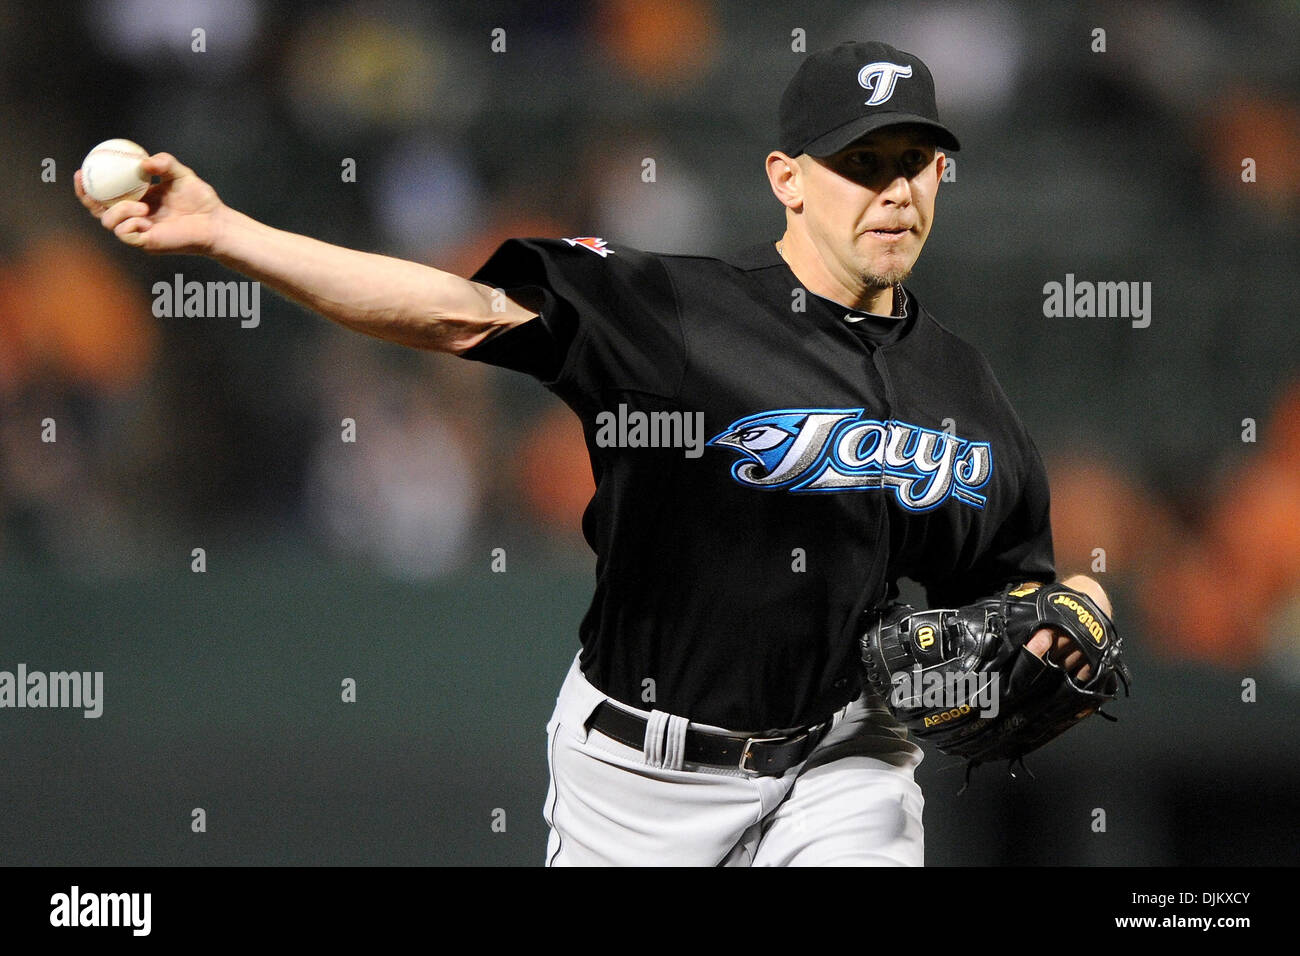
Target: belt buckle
{"x":749,"y":742}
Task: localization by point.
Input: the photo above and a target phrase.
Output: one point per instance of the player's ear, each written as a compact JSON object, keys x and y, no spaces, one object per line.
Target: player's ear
{"x":940,"y":161}
{"x":786,"y":179}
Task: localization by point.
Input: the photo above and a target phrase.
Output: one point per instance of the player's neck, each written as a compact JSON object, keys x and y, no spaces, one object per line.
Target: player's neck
{"x":811,"y":271}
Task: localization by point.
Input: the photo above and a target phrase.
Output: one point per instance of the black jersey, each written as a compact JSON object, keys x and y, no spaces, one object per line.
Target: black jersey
{"x":832,"y":458}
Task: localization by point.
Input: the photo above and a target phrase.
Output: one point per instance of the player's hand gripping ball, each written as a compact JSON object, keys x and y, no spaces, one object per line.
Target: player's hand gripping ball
{"x":963,"y":680}
{"x":111,"y":172}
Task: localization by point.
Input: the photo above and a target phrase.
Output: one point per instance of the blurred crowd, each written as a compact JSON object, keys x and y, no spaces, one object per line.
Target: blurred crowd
{"x":1174,"y":450}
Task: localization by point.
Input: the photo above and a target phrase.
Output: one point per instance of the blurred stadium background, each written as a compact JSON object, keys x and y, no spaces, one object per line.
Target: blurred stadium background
{"x":371,"y":560}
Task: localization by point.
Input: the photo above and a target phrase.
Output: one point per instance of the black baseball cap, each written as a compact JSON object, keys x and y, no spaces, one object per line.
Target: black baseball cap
{"x":842,"y":94}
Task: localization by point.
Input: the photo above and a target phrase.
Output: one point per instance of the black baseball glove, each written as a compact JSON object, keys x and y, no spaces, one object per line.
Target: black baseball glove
{"x":962,"y":679}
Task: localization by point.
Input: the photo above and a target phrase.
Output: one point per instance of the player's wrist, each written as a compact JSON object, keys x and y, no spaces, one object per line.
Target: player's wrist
{"x":229,"y":232}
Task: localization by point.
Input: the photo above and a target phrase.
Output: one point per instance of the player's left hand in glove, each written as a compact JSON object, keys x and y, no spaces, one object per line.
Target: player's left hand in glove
{"x":964,"y":680}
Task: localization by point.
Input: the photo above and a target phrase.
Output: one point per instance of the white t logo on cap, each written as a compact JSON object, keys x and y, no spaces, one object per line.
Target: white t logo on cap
{"x":880,"y":78}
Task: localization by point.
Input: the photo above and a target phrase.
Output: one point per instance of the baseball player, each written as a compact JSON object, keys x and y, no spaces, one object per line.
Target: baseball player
{"x":716,"y":712}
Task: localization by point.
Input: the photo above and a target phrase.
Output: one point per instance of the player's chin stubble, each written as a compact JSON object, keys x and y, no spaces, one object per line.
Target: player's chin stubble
{"x":874,"y":278}
{"x":884,"y":280}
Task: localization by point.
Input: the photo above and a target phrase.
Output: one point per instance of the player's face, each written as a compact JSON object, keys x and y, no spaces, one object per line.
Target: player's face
{"x":868,"y":208}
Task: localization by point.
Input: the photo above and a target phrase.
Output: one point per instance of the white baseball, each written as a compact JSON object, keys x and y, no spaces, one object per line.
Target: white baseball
{"x":111,"y":171}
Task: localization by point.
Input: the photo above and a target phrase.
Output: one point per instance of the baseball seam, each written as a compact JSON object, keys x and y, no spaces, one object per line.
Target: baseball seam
{"x":112,"y":152}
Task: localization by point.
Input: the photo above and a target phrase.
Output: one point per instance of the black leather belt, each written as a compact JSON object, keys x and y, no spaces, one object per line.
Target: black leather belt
{"x":760,"y":756}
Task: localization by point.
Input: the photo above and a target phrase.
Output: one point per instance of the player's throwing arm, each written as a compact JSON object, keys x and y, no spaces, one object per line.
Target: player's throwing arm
{"x":393,"y":299}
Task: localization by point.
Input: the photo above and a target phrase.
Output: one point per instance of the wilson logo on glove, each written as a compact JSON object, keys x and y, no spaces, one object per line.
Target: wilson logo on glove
{"x":1090,"y":623}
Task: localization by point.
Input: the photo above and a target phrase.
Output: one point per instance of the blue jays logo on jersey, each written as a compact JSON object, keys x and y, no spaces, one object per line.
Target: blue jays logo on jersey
{"x":880,"y":79}
{"x":838,"y":449}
